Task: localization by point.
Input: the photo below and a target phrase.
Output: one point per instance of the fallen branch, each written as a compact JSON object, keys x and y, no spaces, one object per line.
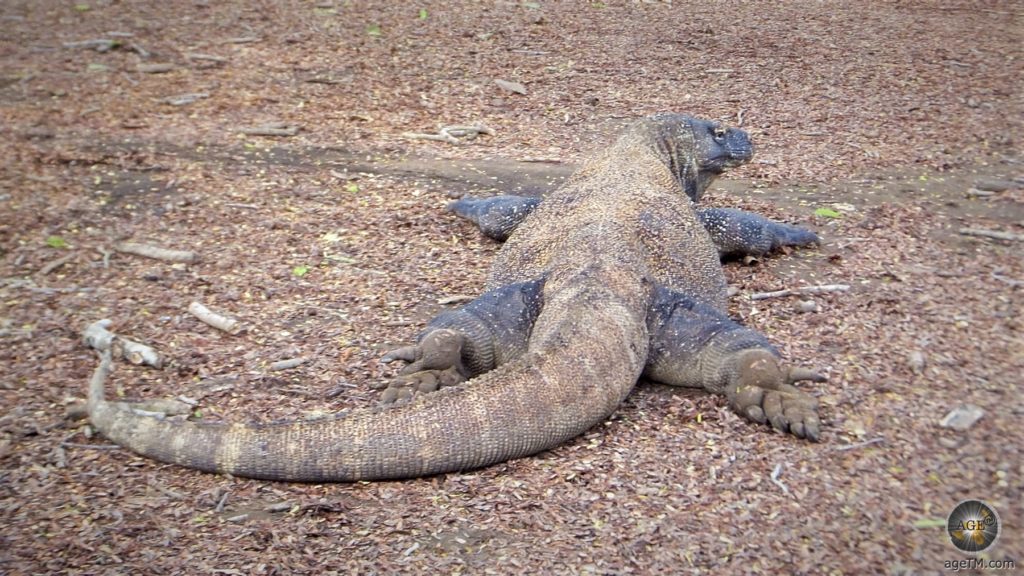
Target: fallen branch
{"x":90,"y":446}
{"x":328,"y":80}
{"x":206,"y":57}
{"x":800,"y":290}
{"x":860,"y":444}
{"x":156,"y":252}
{"x":274,"y":129}
{"x":165,"y":490}
{"x":142,"y":52}
{"x":137,"y":353}
{"x":159,"y":68}
{"x":996,"y":234}
{"x":97,"y":44}
{"x":451,"y":134}
{"x":1011,"y":281}
{"x":775,"y":478}
{"x":106,"y":256}
{"x":456,"y":299}
{"x":514,"y":87}
{"x":279,"y":507}
{"x":976,"y":193}
{"x":442,"y":137}
{"x":185,"y":99}
{"x":207,"y":316}
{"x":288,"y":364}
{"x":56,"y":264}
{"x":222,"y":501}
{"x":98,"y":337}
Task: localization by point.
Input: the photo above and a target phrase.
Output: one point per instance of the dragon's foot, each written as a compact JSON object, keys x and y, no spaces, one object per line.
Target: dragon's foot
{"x":435,"y":362}
{"x":764,"y":392}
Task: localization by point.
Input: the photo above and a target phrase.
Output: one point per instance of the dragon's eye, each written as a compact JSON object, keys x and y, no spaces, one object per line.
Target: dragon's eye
{"x":719,"y":132}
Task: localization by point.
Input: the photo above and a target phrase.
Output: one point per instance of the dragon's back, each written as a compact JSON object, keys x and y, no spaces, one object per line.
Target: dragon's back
{"x":622,"y":206}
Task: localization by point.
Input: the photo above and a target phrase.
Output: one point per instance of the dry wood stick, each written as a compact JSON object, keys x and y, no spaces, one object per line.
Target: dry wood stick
{"x":451,"y":134}
{"x":996,"y":234}
{"x":156,"y":252}
{"x":288,"y":364}
{"x":860,"y":444}
{"x":800,"y":290}
{"x":90,"y":446}
{"x":207,"y":316}
{"x":275,"y":129}
{"x":207,"y":57}
{"x":56,"y":264}
{"x":775,"y":478}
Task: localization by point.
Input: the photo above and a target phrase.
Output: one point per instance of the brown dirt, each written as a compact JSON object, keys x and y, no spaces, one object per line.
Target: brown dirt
{"x":885,"y":113}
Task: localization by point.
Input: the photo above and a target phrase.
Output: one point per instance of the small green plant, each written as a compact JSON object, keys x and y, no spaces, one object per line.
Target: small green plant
{"x":300,"y":270}
{"x":423,"y":13}
{"x":373,"y":30}
{"x":56,"y":242}
{"x":826,"y":213}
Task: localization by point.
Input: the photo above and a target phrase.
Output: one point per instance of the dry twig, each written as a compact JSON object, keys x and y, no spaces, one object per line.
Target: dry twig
{"x":456,"y":299}
{"x":56,"y":264}
{"x":995,"y":234}
{"x":185,"y":99}
{"x":272,"y":129}
{"x":206,"y":57}
{"x":857,"y":445}
{"x":156,"y":252}
{"x":90,"y":446}
{"x":207,"y":316}
{"x":288,"y":364}
{"x":800,"y":290}
{"x":98,"y":337}
{"x":97,"y":44}
{"x":451,"y":134}
{"x":775,"y":478}
{"x":157,"y":68}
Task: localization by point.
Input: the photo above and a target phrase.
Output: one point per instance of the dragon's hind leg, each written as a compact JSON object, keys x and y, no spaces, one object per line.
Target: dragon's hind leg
{"x":463,"y":343}
{"x":697,"y":346}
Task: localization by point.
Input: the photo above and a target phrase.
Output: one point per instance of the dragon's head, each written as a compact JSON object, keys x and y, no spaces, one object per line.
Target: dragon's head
{"x":698,"y":151}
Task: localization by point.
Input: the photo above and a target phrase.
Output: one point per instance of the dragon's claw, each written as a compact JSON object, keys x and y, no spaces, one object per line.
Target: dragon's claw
{"x":764,"y":393}
{"x":435,"y":362}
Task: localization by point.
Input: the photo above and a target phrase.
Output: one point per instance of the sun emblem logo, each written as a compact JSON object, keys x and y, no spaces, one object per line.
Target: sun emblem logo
{"x":973,"y":526}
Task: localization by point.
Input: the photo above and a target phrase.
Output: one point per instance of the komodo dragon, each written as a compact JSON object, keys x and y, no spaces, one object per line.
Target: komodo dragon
{"x":611,"y":278}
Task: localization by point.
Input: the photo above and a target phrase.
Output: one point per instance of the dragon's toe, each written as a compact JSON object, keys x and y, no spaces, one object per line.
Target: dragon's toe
{"x":763,"y":393}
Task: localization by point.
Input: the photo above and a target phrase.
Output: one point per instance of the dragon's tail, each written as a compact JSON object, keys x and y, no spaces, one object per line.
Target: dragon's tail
{"x":577,"y":372}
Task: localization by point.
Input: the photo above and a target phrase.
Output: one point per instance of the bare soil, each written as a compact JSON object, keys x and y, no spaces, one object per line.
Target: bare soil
{"x":333,"y":244}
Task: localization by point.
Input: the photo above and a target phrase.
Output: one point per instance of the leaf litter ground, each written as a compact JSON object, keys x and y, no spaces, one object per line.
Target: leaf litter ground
{"x":333,"y":244}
